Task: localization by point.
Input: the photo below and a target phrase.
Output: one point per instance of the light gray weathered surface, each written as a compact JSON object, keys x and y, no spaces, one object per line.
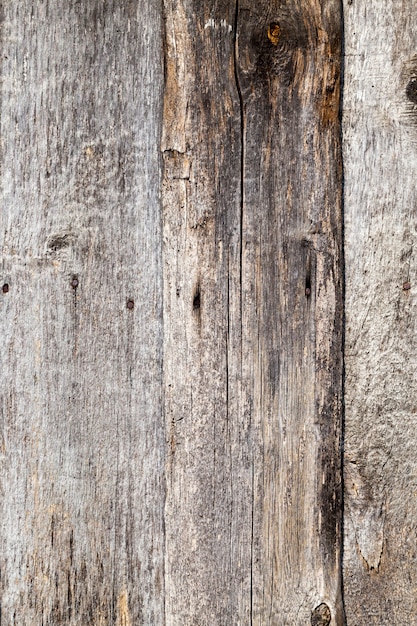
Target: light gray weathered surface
{"x":82,"y":441}
{"x":380,"y":165}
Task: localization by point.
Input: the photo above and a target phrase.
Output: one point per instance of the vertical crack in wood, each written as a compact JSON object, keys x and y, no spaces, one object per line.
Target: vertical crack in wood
{"x":242,"y":203}
{"x":242,"y":144}
{"x":164,"y":410}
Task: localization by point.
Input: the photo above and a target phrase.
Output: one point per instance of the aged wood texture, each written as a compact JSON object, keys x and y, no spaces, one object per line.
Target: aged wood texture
{"x":380,"y":467}
{"x":82,"y":433}
{"x":289,"y":80}
{"x":171,"y":312}
{"x":252,"y":312}
{"x":209,"y":489}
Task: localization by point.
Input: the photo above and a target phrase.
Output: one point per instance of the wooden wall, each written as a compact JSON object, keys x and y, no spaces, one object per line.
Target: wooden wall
{"x":207,"y":304}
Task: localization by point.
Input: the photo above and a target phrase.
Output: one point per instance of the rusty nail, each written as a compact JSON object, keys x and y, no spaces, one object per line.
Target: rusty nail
{"x":74,"y":282}
{"x":5,"y":288}
{"x":308,"y":291}
{"x":130,"y":304}
{"x":406,"y":286}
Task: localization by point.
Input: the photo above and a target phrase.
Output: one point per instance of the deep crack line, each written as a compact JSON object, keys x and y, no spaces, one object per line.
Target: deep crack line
{"x":242,"y":204}
{"x":242,"y":142}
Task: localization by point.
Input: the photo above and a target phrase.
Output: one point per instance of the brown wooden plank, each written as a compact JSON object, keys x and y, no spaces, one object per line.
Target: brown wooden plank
{"x":379,"y":120}
{"x":81,"y":531}
{"x":289,"y":57}
{"x":253,"y":312}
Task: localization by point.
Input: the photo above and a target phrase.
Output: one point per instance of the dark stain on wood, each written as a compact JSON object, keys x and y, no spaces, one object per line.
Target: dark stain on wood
{"x":409,"y":86}
{"x":289,"y":67}
{"x":411,"y":90}
{"x":197,"y":298}
{"x":59,"y":242}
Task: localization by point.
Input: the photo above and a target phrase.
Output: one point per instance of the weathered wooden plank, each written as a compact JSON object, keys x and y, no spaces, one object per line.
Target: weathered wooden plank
{"x":81,"y":531}
{"x":208,"y":513}
{"x":379,"y":120}
{"x":252,"y":312}
{"x":289,"y":61}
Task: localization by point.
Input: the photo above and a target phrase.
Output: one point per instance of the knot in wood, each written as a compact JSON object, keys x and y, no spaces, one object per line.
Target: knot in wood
{"x":274,"y":30}
{"x":321,"y":615}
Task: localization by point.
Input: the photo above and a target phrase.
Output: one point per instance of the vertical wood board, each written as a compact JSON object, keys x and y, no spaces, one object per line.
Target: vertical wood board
{"x":253,"y":312}
{"x":289,"y":61}
{"x":208,"y":523}
{"x":82,"y":442}
{"x":380,"y":169}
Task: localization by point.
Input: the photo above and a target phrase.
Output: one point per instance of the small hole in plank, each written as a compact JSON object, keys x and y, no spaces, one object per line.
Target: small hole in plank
{"x":308,"y":287}
{"x":411,"y":90}
{"x":321,"y":616}
{"x":197,"y":299}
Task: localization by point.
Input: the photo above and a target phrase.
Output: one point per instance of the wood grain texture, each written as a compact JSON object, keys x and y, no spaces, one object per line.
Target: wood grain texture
{"x":82,"y":433}
{"x":208,"y":511}
{"x":380,"y":140}
{"x":253,"y":312}
{"x":172,"y":322}
{"x":289,"y":57}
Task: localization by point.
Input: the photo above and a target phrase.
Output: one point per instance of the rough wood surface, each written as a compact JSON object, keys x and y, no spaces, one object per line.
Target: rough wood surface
{"x":289,"y":79}
{"x":82,"y":440}
{"x":252,"y":312}
{"x":380,"y":140}
{"x":171,"y":312}
{"x":208,"y":520}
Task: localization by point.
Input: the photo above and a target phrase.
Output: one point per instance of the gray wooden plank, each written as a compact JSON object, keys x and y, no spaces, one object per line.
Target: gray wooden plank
{"x":250,"y":389}
{"x":82,"y":486}
{"x":380,"y":468}
{"x":208,"y":518}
